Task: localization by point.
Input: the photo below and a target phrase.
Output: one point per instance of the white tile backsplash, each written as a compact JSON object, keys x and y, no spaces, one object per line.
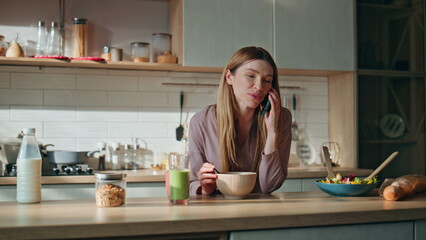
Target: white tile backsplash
{"x":76,"y":108}
{"x":75,"y":98}
{"x":20,"y":69}
{"x":21,"y":96}
{"x":137,"y":99}
{"x":4,"y":112}
{"x":43,"y":81}
{"x":42,"y":113}
{"x":4,"y":80}
{"x":75,"y":129}
{"x":107,"y":114}
{"x":11,"y":129}
{"x":138,"y":73}
{"x":103,"y":83}
{"x":140,"y":129}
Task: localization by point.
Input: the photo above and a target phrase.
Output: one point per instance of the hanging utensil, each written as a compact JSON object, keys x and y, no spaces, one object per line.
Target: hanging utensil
{"x":383,"y":165}
{"x":305,"y":150}
{"x":330,"y":173}
{"x":294,"y":126}
{"x":180,"y":129}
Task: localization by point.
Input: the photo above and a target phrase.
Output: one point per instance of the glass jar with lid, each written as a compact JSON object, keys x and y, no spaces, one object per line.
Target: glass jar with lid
{"x":79,"y":37}
{"x":161,"y":43}
{"x":140,"y":51}
{"x":110,"y":189}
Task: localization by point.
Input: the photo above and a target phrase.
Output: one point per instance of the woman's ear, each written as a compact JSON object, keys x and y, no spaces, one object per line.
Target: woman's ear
{"x":229,"y":77}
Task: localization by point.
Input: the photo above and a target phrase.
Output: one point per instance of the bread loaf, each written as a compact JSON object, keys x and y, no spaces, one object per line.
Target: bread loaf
{"x":405,"y":186}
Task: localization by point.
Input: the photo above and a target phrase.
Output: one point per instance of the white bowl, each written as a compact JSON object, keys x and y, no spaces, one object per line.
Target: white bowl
{"x":236,"y":185}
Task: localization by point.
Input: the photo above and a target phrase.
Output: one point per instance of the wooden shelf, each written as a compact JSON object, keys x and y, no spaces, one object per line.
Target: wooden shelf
{"x":126,"y":65}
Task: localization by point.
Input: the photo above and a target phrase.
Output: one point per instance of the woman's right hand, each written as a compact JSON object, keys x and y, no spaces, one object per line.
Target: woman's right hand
{"x":207,"y":178}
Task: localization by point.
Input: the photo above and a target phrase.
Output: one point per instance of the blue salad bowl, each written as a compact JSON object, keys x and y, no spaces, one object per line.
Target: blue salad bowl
{"x":346,"y":190}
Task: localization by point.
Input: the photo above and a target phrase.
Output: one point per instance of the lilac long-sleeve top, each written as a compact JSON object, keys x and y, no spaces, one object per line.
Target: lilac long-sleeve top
{"x":204,"y":146}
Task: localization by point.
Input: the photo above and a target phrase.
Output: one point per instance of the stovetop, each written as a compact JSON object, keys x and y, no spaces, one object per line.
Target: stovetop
{"x":58,"y":170}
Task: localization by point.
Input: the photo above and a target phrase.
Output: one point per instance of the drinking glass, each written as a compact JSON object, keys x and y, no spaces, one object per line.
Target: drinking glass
{"x":177,"y":179}
{"x":335,"y":153}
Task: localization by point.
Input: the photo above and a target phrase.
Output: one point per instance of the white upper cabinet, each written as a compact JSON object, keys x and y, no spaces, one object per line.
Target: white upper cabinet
{"x":214,"y":30}
{"x":315,"y":34}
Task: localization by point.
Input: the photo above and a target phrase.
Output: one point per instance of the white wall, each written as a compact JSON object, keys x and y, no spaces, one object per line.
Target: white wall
{"x":76,"y":108}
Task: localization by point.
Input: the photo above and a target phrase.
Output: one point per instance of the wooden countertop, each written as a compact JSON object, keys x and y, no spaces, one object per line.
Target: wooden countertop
{"x":153,"y":216}
{"x":148,"y":175}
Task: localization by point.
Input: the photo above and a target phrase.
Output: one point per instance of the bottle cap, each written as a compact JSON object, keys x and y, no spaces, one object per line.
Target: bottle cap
{"x":54,"y":24}
{"x":79,"y":20}
{"x":101,"y":144}
{"x":40,"y":23}
{"x":115,"y":145}
{"x":28,"y":130}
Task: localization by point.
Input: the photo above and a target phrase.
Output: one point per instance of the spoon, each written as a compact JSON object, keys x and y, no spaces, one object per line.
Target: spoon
{"x":383,"y":165}
{"x":330,"y":172}
{"x":214,"y":168}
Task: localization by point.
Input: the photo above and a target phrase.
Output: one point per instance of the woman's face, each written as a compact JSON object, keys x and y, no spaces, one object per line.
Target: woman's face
{"x":251,"y":82}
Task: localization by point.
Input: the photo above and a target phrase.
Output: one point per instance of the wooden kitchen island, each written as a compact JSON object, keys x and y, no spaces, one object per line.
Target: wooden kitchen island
{"x":303,"y":215}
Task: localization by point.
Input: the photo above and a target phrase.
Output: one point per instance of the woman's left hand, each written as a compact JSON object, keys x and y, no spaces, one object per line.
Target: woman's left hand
{"x":271,"y":122}
{"x":271,"y":117}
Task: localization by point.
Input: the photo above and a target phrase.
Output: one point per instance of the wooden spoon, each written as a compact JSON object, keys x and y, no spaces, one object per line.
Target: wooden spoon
{"x":383,"y":165}
{"x":330,"y":172}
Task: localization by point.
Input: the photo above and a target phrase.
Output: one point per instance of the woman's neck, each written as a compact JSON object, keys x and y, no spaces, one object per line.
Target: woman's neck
{"x":245,"y":120}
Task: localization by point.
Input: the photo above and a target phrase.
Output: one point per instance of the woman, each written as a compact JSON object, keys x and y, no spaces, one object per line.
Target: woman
{"x":233,"y":135}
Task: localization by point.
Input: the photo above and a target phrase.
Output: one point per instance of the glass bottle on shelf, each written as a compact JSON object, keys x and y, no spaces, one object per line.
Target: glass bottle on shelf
{"x":53,"y":43}
{"x":28,"y":182}
{"x":41,"y":39}
{"x":128,"y":157}
{"x":138,"y":157}
{"x":116,"y":156}
{"x":102,"y":150}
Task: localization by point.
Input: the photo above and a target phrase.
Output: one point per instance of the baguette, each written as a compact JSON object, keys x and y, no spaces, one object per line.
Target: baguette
{"x":405,"y":186}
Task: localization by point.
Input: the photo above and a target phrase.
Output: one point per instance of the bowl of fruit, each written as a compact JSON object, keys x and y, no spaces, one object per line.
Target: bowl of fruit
{"x":347,"y":186}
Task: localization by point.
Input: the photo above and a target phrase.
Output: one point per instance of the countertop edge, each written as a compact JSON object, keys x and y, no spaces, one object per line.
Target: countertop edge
{"x":407,"y":210}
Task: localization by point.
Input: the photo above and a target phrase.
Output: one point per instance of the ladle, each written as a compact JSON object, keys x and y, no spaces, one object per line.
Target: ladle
{"x":383,"y":165}
{"x":330,"y":173}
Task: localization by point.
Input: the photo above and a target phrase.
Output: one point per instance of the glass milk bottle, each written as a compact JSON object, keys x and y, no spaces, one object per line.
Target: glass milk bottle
{"x":29,"y":169}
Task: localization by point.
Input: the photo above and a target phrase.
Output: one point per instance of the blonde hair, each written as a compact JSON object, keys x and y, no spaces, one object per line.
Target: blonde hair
{"x":227,"y":122}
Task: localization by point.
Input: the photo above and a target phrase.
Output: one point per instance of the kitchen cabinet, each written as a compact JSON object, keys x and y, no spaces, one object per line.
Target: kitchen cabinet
{"x":312,"y":34}
{"x":391,"y":85}
{"x":399,"y":230}
{"x":213,"y":30}
{"x":85,"y":191}
{"x":305,"y":34}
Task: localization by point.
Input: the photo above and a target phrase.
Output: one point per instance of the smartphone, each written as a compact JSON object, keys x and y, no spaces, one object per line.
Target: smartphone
{"x":266,"y":105}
